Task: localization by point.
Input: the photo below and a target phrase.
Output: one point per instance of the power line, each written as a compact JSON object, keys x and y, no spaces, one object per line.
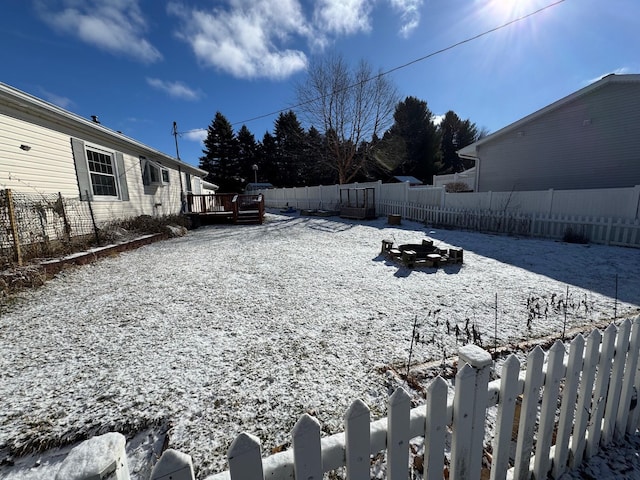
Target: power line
{"x":405,"y":65}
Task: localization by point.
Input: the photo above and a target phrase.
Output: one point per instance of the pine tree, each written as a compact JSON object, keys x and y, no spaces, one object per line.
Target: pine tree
{"x":290,"y":140}
{"x":455,"y":134}
{"x":247,"y":155}
{"x":412,"y":143}
{"x":221,"y":156}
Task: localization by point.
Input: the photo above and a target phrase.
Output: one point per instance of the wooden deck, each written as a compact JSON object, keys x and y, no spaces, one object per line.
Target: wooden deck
{"x":225,"y":208}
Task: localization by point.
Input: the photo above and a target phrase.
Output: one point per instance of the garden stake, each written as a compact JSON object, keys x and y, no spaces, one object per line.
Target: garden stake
{"x":495,"y":331}
{"x":566,"y":302}
{"x":615,"y":302}
{"x":413,"y":335}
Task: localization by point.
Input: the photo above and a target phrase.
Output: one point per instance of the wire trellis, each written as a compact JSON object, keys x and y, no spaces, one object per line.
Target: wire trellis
{"x":35,"y":225}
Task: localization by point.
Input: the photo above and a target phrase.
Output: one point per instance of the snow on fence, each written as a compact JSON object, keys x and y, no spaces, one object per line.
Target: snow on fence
{"x":549,"y":418}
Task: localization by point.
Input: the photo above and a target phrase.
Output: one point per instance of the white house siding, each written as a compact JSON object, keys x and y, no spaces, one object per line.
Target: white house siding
{"x":46,"y":168}
{"x":591,"y":142}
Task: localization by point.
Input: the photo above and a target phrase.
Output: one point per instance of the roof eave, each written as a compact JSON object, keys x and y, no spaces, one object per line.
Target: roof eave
{"x":35,"y":106}
{"x":470,"y":151}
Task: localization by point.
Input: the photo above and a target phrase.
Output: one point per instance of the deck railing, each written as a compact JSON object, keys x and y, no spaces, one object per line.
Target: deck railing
{"x":232,"y":205}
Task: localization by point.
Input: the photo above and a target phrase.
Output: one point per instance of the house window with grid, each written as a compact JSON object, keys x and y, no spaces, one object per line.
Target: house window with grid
{"x":103,"y":173}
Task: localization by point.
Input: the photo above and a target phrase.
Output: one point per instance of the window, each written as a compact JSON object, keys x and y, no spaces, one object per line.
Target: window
{"x":187,"y":178}
{"x":153,"y":173}
{"x":102,"y":172}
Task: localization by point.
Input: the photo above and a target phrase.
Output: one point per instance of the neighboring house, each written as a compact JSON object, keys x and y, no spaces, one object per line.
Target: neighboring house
{"x":587,"y":140}
{"x":45,"y":149}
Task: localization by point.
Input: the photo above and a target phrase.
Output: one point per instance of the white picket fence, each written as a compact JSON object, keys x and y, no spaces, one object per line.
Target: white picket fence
{"x":607,"y":231}
{"x":570,"y":405}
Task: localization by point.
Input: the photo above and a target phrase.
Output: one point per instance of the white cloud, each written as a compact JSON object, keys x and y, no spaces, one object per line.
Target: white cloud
{"x":343,"y":17}
{"x":249,"y":40}
{"x":197,"y":135}
{"x":116,"y":26}
{"x":262,"y":38}
{"x":59,"y":100}
{"x":174,"y":89}
{"x":409,"y":13}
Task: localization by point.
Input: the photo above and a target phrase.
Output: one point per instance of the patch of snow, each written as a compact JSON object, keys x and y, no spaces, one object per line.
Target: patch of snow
{"x":244,"y":329}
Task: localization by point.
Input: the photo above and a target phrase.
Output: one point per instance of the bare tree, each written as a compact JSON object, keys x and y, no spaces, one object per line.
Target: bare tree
{"x":353,"y":107}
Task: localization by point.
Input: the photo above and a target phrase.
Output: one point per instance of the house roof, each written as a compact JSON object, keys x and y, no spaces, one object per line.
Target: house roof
{"x":35,"y":106}
{"x":408,"y":178}
{"x":470,"y":151}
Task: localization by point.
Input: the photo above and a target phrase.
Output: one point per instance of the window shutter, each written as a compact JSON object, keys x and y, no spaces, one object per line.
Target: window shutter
{"x":82,"y":170}
{"x":122,"y":177}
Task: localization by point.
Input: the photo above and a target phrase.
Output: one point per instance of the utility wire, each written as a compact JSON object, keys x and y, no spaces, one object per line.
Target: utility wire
{"x":394,"y":69}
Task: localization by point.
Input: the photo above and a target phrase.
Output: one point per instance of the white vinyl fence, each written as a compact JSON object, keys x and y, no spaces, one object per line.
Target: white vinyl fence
{"x":606,"y":216}
{"x":607,"y":231}
{"x":598,"y":377}
{"x":549,"y":418}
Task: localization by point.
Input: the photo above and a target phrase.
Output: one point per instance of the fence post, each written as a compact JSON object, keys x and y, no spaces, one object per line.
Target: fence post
{"x":14,"y":227}
{"x":398,"y":436}
{"x":173,"y":465}
{"x":358,"y":440}
{"x":306,"y":448}
{"x":93,"y":219}
{"x":67,"y":226}
{"x":469,"y":417}
{"x":506,"y":412}
{"x":244,"y":457}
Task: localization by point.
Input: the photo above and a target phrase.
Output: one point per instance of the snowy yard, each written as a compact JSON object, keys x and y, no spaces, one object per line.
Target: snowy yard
{"x":233,"y":329}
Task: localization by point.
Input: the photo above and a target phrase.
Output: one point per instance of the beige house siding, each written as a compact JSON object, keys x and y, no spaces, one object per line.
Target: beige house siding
{"x":46,"y":168}
{"x":591,"y":141}
{"x":49,"y":164}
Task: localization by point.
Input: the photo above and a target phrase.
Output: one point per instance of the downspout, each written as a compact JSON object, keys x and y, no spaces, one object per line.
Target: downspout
{"x":476,"y":160}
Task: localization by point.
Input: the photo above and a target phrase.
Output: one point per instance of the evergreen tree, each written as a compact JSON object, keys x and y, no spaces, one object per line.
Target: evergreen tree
{"x":221,"y":155}
{"x":247,"y":155}
{"x":290,"y":140}
{"x":411,"y":145}
{"x":318,"y":171}
{"x":455,"y":134}
{"x":268,"y":168}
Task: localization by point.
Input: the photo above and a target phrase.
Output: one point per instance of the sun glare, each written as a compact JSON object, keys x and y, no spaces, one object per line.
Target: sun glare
{"x":506,"y":10}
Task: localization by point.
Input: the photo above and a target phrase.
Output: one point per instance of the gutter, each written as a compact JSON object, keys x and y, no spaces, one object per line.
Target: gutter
{"x":38,"y":108}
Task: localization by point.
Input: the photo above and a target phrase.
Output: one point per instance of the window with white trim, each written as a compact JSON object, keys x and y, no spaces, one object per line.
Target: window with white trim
{"x":102,"y":171}
{"x":153,"y":173}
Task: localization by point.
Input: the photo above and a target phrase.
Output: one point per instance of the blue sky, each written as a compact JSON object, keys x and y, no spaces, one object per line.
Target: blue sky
{"x":140,"y":65}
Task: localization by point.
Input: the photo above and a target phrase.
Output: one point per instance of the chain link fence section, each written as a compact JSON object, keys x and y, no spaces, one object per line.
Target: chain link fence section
{"x":40,"y":225}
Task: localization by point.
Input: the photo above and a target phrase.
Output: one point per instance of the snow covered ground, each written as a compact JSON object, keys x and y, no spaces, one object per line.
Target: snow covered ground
{"x":233,"y":329}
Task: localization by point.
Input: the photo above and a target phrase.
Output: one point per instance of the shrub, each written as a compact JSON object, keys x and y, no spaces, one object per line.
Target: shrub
{"x":572,"y":236}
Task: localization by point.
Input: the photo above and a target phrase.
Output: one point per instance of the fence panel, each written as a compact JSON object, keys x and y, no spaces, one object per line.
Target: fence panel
{"x":244,"y":457}
{"x":358,"y":440}
{"x":548,"y":409}
{"x":34,"y":225}
{"x":435,"y":429}
{"x":506,"y":412}
{"x":311,"y":456}
{"x":615,"y":387}
{"x":526,"y":427}
{"x":567,"y":409}
{"x":398,"y":435}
